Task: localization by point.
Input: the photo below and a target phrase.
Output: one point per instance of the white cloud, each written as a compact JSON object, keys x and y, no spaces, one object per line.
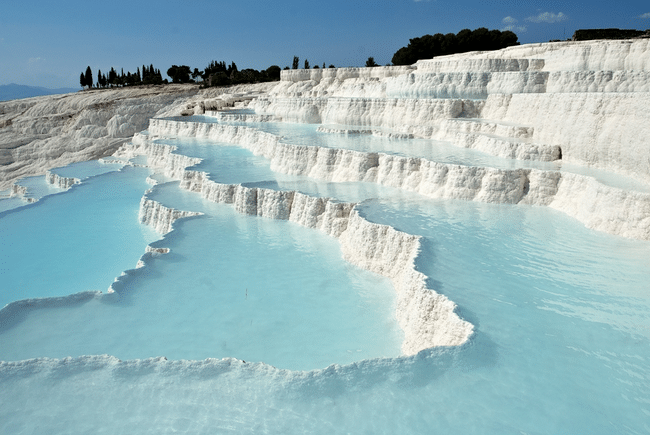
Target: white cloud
{"x":516,"y":29}
{"x":509,"y":20}
{"x":645,"y":16}
{"x":548,"y":17}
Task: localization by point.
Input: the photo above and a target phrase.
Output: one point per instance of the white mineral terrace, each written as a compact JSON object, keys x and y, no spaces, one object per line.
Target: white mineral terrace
{"x":583,"y":103}
{"x":426,"y":317}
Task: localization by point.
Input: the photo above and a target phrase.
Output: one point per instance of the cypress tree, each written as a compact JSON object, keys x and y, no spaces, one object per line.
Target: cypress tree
{"x":89,"y":77}
{"x":371,"y":62}
{"x":232,"y":70}
{"x":112,"y":77}
{"x":82,"y":80}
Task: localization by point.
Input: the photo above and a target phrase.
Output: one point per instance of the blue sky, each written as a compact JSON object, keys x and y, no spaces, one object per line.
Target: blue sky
{"x":50,"y":43}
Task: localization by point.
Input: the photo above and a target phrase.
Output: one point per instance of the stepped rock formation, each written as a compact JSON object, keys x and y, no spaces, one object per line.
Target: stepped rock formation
{"x":427,"y":318}
{"x":577,"y":102}
{"x":581,"y":101}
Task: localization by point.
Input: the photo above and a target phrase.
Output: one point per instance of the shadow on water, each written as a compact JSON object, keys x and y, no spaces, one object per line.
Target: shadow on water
{"x":16,"y":312}
{"x":412,"y":372}
{"x":270,"y":184}
{"x":423,"y":263}
{"x":425,"y":258}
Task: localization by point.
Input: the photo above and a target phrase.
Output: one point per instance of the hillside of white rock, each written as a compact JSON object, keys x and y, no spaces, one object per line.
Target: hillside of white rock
{"x":40,"y":133}
{"x":585,"y":98}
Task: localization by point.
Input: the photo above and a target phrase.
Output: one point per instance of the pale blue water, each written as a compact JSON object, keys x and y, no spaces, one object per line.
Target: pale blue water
{"x":562,"y":341}
{"x":251,"y":302}
{"x":38,"y":187}
{"x":76,"y":241}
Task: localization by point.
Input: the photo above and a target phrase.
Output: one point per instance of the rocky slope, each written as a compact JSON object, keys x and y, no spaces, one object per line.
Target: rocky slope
{"x":40,"y":133}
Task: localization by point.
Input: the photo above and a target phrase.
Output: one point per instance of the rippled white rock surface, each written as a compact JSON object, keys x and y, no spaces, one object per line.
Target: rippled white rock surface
{"x":41,"y":133}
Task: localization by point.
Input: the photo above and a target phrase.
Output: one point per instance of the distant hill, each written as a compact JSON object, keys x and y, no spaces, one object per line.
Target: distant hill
{"x":13,"y":91}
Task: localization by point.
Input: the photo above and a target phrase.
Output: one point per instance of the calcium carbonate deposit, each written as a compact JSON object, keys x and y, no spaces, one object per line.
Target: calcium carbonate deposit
{"x":502,"y":199}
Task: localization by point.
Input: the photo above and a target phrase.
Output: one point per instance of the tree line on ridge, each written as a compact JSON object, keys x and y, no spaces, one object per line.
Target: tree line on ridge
{"x":221,"y":74}
{"x":430,"y":46}
{"x":148,"y":76}
{"x":215,"y":74}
